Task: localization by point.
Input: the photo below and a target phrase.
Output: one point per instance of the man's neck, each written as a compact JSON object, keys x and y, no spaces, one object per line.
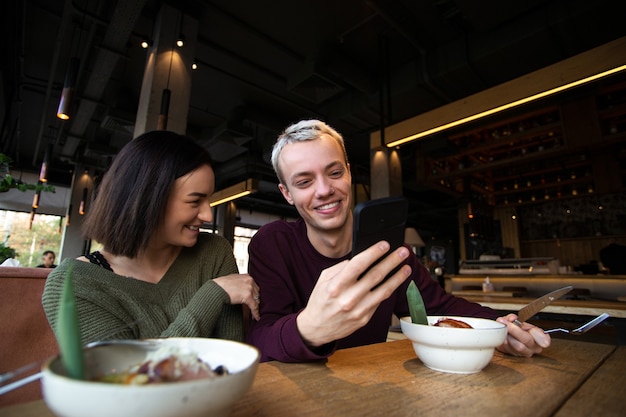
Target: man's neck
{"x":331,"y":243}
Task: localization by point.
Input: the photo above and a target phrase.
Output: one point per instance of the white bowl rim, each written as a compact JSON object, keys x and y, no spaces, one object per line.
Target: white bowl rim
{"x":496,"y":326}
{"x":49,"y":373}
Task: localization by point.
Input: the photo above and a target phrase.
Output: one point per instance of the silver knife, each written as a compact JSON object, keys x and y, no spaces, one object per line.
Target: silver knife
{"x":533,"y":308}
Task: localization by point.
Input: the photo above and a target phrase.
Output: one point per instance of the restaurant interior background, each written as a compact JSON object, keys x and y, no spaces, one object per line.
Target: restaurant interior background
{"x":543,"y":179}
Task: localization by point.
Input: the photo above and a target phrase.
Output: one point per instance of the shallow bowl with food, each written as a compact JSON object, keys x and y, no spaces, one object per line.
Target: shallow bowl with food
{"x":455,"y":350}
{"x":206,"y":396}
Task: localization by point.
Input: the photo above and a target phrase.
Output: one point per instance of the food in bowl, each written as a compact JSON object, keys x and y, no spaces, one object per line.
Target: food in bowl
{"x":452,"y":349}
{"x":166,"y":364}
{"x":448,"y":322}
{"x":215,"y":397}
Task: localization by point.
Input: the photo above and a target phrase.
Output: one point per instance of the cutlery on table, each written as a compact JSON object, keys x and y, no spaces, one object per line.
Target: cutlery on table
{"x":20,"y":382}
{"x":584,"y":328}
{"x":5,"y":386}
{"x":68,"y":338}
{"x":6,"y":377}
{"x":539,"y":304}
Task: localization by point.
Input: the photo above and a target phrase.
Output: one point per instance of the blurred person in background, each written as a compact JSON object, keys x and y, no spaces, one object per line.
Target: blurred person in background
{"x":47,"y":259}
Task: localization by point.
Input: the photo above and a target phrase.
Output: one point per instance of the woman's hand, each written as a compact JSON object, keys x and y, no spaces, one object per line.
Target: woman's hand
{"x":242,"y":290}
{"x":527,"y":340}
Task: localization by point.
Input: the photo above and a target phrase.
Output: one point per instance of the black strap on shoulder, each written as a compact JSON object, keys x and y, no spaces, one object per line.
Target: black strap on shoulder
{"x":98,"y":259}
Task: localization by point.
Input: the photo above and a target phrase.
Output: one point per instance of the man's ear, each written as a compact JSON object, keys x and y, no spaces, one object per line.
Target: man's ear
{"x":285,"y":192}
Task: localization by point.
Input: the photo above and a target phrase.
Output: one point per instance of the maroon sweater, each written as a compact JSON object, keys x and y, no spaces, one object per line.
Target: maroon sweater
{"x":286,"y":267}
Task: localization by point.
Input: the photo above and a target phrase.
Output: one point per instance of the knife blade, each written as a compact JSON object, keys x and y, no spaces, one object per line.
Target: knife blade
{"x":539,"y":304}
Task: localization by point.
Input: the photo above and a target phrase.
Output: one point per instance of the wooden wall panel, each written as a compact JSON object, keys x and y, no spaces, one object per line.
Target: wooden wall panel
{"x":509,"y":228}
{"x":569,"y":251}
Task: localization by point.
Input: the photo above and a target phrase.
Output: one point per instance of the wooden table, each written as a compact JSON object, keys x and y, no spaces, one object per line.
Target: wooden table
{"x":571,"y":378}
{"x":589,"y":307}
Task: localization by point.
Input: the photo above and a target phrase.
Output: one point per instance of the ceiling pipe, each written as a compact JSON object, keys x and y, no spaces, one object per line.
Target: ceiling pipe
{"x":257,"y":33}
{"x":118,"y":32}
{"x":418,"y":47}
{"x":255,"y":65}
{"x":84,"y":13}
{"x":256,"y":86}
{"x":70,"y":9}
{"x":65,"y":21}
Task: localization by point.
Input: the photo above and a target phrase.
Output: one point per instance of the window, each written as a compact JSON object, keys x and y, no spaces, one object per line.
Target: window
{"x":31,"y":242}
{"x":242,"y":239}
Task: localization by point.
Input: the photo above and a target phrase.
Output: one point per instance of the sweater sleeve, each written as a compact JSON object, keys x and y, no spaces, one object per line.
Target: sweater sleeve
{"x":114,"y":307}
{"x":95,"y":321}
{"x":230,"y":322}
{"x":200,"y":316}
{"x":276,"y":334}
{"x":209,"y":312}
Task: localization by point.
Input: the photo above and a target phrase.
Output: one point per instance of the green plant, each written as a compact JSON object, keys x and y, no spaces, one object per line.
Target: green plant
{"x":7,"y":181}
{"x":6,"y":252}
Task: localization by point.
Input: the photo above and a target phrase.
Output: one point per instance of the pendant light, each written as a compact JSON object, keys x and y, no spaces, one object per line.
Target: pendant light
{"x":63,"y":112}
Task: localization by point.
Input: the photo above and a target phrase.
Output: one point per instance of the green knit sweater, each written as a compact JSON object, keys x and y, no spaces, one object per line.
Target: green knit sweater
{"x":185,"y":303}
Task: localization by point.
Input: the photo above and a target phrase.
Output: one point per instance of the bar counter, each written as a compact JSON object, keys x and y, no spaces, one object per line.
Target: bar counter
{"x":571,"y":378}
{"x":604,"y":287}
{"x":582,"y":307}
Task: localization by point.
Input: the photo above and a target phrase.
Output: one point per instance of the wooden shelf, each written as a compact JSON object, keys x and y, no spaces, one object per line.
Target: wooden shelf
{"x":486,"y":155}
{"x":544,"y":148}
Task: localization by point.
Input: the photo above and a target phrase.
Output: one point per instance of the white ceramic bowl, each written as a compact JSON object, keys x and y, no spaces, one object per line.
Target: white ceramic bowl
{"x":455,"y":350}
{"x":68,"y":397}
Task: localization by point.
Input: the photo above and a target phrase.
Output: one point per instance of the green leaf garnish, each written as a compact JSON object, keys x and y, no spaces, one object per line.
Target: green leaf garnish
{"x":68,"y":332}
{"x":416,"y":305}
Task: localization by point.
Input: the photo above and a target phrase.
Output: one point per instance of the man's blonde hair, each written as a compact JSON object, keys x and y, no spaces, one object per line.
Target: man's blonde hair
{"x":302,"y":131}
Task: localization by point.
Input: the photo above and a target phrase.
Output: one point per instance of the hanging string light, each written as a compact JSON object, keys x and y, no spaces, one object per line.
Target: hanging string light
{"x":68,"y":216}
{"x":71,"y":75}
{"x":165,"y":108}
{"x":165,"y":99}
{"x":43,"y":173}
{"x":167,"y":93}
{"x":63,"y":112}
{"x":36,"y":198}
{"x":180,"y":41}
{"x":82,"y":209}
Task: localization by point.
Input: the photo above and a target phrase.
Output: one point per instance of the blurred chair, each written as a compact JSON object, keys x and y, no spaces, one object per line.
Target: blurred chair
{"x":24,"y":330}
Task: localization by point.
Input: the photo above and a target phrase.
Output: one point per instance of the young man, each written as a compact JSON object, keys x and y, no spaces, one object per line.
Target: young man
{"x":312,"y":300}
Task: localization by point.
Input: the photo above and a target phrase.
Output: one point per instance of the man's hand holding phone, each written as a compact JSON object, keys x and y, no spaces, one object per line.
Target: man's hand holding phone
{"x":348,"y":293}
{"x":380,"y":219}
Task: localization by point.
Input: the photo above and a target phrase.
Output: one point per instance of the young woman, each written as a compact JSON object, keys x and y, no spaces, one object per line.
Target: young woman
{"x":157,"y":275}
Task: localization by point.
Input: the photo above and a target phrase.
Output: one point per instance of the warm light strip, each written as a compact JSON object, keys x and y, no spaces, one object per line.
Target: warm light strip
{"x":233,"y":192}
{"x":506,"y":106}
{"x":232,"y":197}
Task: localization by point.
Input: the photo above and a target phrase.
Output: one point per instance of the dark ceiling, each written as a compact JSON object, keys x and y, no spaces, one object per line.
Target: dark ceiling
{"x":265,"y":64}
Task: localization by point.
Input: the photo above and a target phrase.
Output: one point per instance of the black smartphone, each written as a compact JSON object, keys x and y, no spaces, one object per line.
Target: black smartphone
{"x":380,"y":219}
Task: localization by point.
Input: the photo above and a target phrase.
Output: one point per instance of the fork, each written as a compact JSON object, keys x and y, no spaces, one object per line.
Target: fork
{"x":148,"y":345}
{"x":7,"y":376}
{"x":584,"y":328}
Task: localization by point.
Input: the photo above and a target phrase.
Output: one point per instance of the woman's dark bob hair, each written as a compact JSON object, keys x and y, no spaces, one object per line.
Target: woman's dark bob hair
{"x":131,"y":199}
